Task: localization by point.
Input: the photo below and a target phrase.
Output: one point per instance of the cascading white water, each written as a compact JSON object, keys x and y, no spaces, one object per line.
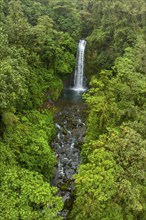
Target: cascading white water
{"x":79,"y":71}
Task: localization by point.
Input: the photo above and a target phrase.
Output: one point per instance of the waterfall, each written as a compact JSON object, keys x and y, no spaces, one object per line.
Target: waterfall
{"x":79,"y":70}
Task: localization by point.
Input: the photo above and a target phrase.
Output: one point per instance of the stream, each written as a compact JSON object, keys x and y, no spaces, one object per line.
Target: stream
{"x":71,"y":129}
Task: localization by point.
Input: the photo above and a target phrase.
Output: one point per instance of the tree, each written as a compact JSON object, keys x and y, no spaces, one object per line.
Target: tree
{"x":13,"y":86}
{"x":95,"y":188}
{"x":15,"y":25}
{"x":110,"y":183}
{"x":27,"y":164}
{"x":103,"y":109}
{"x":28,"y":140}
{"x":25,"y":195}
{"x":66,"y":18}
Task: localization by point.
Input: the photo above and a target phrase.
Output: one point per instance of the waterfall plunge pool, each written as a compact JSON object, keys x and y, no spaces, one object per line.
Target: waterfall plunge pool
{"x":71,"y":97}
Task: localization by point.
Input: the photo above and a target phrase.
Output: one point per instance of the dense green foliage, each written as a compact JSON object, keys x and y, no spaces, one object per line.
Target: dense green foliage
{"x":37,"y":51}
{"x":27,"y":164}
{"x":111,"y":182}
{"x":115,"y":25}
{"x":38,"y":44}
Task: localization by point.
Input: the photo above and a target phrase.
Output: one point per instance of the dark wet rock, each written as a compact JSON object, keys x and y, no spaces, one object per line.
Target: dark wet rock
{"x":64,"y":132}
{"x":64,"y":187}
{"x":69,"y":139}
{"x":68,"y":203}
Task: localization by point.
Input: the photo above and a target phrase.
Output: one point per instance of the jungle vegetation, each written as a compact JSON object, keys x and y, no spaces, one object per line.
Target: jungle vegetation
{"x":38,"y":51}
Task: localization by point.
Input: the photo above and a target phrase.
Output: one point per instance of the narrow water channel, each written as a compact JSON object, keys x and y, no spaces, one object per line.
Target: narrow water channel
{"x":67,"y":145}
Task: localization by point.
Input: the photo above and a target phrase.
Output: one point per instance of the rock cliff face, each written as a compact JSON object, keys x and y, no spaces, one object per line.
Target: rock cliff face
{"x":70,"y":137}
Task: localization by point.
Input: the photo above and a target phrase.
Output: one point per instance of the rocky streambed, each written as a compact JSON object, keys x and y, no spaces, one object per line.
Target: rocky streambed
{"x":70,"y":137}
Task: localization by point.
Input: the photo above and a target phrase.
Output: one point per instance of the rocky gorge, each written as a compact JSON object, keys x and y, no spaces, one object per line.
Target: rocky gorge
{"x":69,"y":139}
